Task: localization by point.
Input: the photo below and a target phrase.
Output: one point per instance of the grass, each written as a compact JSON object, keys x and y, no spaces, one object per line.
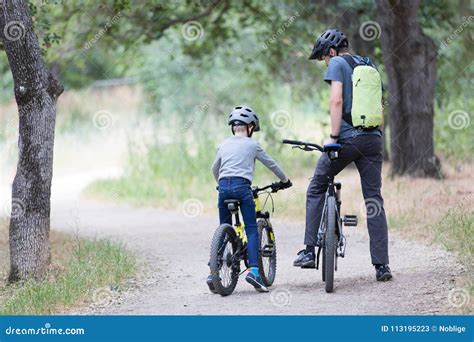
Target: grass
{"x":455,"y":231}
{"x":83,"y":271}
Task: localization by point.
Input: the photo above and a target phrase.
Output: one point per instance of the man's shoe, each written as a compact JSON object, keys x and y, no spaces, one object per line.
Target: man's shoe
{"x":210,"y":284}
{"x":305,"y":259}
{"x":256,"y":282}
{"x":383,"y":273}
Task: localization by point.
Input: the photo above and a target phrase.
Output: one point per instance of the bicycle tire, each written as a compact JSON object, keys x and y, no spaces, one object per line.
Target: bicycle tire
{"x":217,"y":259}
{"x":265,"y":233}
{"x":323,"y":264}
{"x":330,"y":244}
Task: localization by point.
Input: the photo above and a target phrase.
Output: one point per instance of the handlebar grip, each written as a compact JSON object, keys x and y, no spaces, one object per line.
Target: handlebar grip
{"x":292,"y":142}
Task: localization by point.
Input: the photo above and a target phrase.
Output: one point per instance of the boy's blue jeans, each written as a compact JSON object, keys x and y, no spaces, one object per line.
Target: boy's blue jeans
{"x":240,"y":188}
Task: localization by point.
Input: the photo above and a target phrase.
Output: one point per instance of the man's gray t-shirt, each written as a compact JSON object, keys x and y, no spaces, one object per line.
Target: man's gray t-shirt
{"x":339,"y":70}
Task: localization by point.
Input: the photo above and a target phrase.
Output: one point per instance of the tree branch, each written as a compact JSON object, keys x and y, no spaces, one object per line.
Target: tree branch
{"x":184,"y":19}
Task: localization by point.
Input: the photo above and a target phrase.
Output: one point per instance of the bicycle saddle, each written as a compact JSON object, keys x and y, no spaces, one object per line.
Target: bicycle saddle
{"x":332,"y":147}
{"x":232,"y":204}
{"x":233,"y":201}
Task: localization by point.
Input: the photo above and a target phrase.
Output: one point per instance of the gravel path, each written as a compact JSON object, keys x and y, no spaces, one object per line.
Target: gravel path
{"x":174,"y":249}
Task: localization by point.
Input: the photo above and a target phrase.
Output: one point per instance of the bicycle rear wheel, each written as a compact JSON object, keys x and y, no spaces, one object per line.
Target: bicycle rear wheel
{"x":330,"y":244}
{"x":225,"y":261}
{"x":323,"y":271}
{"x":267,"y":262}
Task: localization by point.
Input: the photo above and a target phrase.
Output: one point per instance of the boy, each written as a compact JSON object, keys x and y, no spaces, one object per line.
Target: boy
{"x":233,"y":169}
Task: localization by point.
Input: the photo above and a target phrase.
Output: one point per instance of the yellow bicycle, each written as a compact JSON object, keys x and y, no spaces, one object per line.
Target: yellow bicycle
{"x":229,"y":245}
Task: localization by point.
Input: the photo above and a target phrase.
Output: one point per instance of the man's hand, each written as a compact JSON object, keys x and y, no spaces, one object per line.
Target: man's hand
{"x":330,"y":141}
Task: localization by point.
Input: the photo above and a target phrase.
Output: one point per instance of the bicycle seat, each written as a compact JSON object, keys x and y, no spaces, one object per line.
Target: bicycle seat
{"x":234,"y":201}
{"x":332,"y":147}
{"x":232,"y":204}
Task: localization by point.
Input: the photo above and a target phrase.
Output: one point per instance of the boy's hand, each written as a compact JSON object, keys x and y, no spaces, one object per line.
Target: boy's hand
{"x":285,"y":185}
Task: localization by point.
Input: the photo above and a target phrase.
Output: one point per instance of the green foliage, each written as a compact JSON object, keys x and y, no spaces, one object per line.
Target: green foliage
{"x":453,"y":131}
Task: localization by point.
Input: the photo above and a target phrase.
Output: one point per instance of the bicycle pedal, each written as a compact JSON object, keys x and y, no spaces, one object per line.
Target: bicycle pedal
{"x":350,"y":220}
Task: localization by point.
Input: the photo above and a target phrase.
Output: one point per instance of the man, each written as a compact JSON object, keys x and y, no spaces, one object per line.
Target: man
{"x":361,"y":144}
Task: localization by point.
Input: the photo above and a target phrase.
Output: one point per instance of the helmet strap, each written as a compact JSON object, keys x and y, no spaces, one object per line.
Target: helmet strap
{"x":250,"y":131}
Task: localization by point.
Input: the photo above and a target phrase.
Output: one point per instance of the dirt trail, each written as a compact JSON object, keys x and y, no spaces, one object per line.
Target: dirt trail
{"x":175,"y":250}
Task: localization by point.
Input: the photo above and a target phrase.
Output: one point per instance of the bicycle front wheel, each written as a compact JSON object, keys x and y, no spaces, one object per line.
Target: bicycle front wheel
{"x":330,"y":244}
{"x":267,"y":262}
{"x":225,"y":261}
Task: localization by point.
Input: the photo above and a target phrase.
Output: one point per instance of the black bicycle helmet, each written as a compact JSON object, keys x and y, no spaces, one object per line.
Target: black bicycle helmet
{"x":244,"y":115}
{"x":331,"y":38}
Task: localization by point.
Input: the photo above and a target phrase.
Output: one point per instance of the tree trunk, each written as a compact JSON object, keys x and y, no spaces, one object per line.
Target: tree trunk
{"x":36,"y":92}
{"x":410,"y":61}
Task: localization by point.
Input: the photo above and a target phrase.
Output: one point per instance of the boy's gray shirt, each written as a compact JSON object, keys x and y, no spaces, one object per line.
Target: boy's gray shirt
{"x":236,"y":158}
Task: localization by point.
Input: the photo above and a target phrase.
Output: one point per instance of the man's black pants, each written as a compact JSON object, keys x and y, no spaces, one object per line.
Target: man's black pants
{"x":366,"y":152}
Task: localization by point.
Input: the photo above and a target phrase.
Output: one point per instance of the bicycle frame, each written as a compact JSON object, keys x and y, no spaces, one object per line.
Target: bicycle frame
{"x":333,"y":190}
{"x":239,"y":226}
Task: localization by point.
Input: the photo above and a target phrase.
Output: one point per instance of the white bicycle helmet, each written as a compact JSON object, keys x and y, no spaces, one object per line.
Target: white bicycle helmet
{"x":244,"y":115}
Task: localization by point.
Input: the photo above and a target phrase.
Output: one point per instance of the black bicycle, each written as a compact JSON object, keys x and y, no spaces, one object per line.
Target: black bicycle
{"x":229,"y":245}
{"x":330,"y":239}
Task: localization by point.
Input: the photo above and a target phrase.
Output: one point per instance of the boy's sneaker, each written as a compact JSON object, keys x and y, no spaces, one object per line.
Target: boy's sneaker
{"x":305,"y":260}
{"x":383,"y":273}
{"x":210,"y":284}
{"x":256,"y":281}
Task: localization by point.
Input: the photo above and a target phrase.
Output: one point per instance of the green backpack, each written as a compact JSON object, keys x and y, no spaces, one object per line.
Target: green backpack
{"x":367,"y":109}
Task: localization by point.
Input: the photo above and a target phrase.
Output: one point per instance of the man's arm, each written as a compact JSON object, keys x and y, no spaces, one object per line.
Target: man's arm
{"x":335,"y":102}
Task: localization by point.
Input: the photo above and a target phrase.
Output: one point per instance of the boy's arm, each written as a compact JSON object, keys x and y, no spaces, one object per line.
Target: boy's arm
{"x":216,"y":166}
{"x":268,"y":161}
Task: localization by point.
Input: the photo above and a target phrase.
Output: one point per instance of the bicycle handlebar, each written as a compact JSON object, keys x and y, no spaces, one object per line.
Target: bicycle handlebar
{"x":306,"y":146}
{"x":274,"y":186}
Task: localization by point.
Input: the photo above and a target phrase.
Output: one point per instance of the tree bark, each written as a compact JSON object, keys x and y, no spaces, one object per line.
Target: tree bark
{"x":36,"y":92}
{"x":410,"y":61}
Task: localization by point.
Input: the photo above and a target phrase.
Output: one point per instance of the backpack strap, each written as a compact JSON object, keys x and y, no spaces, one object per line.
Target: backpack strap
{"x":350,"y":61}
{"x":347,"y":117}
